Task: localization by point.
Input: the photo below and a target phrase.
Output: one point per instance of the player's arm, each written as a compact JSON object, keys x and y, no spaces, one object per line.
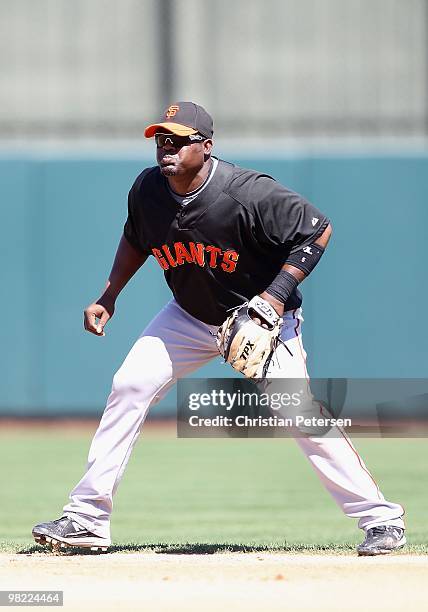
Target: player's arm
{"x":295,"y":271}
{"x":126,"y":263}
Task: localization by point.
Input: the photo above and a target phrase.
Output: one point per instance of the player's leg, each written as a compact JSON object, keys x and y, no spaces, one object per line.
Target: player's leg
{"x":173,"y":345}
{"x":332,"y":455}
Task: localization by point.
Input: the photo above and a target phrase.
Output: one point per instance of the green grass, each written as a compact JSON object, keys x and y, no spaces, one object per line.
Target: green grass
{"x":207,"y":495}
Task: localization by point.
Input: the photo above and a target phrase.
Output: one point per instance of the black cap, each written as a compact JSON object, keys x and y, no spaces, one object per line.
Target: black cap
{"x":183,"y":119}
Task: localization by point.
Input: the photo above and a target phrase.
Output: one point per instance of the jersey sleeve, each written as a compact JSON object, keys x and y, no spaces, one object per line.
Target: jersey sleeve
{"x":283,"y":218}
{"x":132,"y":229}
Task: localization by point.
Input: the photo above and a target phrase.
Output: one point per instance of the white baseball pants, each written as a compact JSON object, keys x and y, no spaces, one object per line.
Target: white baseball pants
{"x":173,"y":345}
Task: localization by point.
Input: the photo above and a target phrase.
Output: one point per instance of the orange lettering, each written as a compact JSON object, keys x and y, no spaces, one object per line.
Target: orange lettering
{"x":169,"y":256}
{"x":181,"y":254}
{"x":214,"y":252}
{"x":229,"y":261}
{"x":160,"y":259}
{"x":172,"y":111}
{"x":197,"y":253}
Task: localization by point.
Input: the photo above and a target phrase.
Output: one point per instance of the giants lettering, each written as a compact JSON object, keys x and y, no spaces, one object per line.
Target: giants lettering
{"x":229,"y":261}
{"x":160,"y":259}
{"x":196,"y":253}
{"x":169,"y":257}
{"x":214,"y":252}
{"x":181,"y":254}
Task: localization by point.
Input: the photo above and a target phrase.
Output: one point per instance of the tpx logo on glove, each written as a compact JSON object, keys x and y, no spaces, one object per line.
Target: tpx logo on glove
{"x":247,"y":349}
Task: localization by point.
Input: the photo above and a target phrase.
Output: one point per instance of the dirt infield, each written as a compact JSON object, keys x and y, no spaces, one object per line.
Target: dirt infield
{"x":171,"y":582}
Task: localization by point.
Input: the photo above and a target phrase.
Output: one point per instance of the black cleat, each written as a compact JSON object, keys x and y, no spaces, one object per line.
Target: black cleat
{"x":66,"y":532}
{"x":382,"y":540}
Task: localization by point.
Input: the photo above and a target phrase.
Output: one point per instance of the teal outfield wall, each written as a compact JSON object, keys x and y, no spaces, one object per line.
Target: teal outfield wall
{"x":365,"y":306}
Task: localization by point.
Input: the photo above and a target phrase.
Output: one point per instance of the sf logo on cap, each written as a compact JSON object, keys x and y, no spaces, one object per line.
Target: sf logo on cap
{"x":172,"y":111}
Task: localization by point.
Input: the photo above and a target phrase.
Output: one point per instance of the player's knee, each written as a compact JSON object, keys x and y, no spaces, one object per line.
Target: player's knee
{"x":126,"y":384}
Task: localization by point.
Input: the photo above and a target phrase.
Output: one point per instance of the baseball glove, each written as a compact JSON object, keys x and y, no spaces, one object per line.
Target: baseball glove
{"x":245,"y":344}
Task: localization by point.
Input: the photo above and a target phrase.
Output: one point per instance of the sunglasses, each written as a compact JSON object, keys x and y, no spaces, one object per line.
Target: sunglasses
{"x":177,"y":141}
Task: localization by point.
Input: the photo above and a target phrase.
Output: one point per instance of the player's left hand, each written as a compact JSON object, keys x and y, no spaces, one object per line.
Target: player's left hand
{"x":249,"y":336}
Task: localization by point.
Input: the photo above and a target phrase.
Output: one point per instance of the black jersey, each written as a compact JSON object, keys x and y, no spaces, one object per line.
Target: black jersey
{"x":225,"y":246}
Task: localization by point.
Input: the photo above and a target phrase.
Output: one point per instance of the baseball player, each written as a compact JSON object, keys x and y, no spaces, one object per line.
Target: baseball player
{"x":224,"y":236}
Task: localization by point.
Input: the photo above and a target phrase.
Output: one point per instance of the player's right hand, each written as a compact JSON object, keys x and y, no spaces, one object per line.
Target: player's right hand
{"x":97,"y":314}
